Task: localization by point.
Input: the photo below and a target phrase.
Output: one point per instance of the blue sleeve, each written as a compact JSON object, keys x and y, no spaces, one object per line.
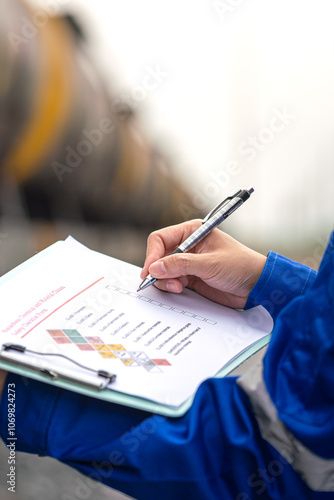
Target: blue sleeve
{"x":281,"y":281}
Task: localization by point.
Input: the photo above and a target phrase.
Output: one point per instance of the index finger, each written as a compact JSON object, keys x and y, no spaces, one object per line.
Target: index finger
{"x":163,"y":241}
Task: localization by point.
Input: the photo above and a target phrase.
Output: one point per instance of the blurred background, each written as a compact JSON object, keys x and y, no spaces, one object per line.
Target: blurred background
{"x":206,"y":97}
{"x":117,"y":118}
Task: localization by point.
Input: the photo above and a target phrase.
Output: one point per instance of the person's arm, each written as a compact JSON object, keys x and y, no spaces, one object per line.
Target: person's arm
{"x":224,"y":270}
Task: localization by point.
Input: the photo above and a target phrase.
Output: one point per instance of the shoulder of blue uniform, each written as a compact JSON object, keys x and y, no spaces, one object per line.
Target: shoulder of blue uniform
{"x":281,"y":280}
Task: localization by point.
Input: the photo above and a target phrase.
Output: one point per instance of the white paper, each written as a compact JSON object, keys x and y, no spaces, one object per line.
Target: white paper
{"x":83,"y":304}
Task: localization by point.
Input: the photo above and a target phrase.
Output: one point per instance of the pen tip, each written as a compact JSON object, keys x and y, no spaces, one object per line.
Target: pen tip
{"x":138,"y":289}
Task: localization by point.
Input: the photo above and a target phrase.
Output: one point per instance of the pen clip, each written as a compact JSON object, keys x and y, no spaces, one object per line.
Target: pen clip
{"x":219,"y":206}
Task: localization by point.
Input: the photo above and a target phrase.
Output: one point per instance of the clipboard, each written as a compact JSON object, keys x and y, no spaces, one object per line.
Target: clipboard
{"x":39,"y":366}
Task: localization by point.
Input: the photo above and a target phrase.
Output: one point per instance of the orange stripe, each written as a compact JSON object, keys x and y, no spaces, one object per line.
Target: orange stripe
{"x":52,"y":106}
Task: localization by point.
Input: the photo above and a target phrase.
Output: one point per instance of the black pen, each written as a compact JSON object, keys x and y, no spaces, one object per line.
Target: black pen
{"x":212,"y":220}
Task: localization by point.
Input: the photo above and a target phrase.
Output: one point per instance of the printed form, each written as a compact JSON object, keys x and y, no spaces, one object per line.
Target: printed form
{"x":83,"y":304}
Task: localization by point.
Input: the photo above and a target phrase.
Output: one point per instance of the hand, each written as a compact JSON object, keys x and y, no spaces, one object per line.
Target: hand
{"x":218,"y":267}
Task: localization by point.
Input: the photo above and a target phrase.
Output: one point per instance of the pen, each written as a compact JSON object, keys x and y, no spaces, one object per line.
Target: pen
{"x":212,"y":220}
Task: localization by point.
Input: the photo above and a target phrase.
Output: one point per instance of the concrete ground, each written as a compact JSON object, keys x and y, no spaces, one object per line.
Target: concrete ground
{"x":43,"y":478}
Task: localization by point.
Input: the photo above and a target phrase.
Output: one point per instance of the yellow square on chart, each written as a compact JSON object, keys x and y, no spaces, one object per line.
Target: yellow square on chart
{"x":100,"y":347}
{"x":116,"y":347}
{"x":107,"y":354}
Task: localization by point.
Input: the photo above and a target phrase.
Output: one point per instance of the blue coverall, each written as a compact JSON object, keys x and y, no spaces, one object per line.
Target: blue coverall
{"x":216,"y":450}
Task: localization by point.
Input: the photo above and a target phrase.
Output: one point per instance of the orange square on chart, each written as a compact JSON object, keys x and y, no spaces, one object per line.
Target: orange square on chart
{"x":62,"y":340}
{"x":107,"y":354}
{"x":161,"y":362}
{"x":85,"y":347}
{"x":116,"y":347}
{"x":56,"y":333}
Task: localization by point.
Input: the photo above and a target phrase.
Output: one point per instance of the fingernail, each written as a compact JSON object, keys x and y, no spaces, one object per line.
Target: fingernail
{"x":157,"y":269}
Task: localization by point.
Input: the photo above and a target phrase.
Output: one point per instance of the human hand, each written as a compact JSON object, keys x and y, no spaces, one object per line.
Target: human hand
{"x":218,"y":267}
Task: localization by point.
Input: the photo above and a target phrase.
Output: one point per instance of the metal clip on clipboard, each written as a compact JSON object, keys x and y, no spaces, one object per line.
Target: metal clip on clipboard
{"x":17,"y":355}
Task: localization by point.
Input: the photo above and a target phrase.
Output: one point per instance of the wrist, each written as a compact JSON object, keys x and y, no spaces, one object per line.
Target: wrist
{"x":258,"y":266}
{"x":253,"y":267}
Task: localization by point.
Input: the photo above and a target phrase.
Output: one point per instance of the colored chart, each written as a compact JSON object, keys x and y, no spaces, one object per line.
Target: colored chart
{"x":116,"y":351}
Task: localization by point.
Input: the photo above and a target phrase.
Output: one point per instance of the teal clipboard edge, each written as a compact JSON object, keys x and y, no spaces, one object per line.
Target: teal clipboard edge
{"x":129,"y":400}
